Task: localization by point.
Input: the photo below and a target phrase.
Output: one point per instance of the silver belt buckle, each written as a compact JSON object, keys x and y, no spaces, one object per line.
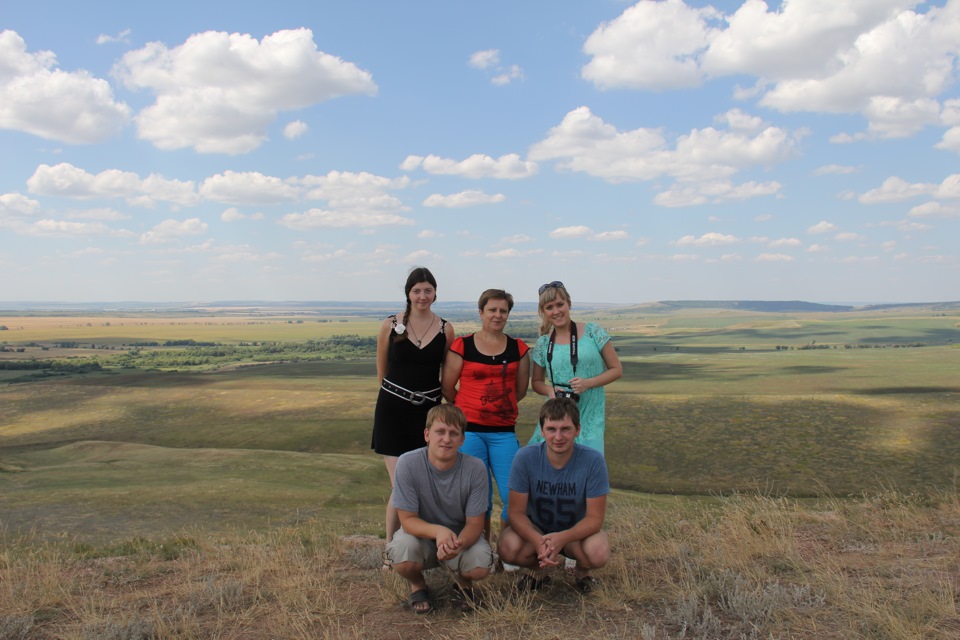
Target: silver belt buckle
{"x":417,"y":398}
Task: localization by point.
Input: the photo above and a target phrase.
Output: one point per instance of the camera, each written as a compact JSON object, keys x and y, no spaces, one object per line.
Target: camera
{"x":563,"y":393}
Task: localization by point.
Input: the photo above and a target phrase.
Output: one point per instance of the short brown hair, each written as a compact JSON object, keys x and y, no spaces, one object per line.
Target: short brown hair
{"x":448,"y":414}
{"x":558,"y":409}
{"x":495,"y":294}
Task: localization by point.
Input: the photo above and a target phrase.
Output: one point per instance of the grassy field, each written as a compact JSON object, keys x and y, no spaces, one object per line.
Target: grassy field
{"x":244,"y":502}
{"x":91,"y":488}
{"x":707,"y":403}
{"x":739,"y":568}
{"x":115,"y":331}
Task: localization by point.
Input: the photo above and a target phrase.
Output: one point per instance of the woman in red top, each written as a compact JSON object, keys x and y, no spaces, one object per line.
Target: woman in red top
{"x":486,"y":374}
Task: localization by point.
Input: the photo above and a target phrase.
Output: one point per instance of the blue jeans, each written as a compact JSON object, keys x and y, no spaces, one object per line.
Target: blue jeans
{"x":496,"y":450}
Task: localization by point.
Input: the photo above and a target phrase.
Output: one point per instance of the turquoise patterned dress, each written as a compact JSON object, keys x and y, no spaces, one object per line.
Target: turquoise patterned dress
{"x":593,"y":402}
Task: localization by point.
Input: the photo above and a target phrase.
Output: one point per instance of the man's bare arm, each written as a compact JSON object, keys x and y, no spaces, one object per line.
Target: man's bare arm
{"x":591,"y":524}
{"x":420,"y":528}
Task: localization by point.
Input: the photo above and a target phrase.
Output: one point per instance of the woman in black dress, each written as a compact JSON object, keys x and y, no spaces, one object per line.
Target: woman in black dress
{"x":411,"y":348}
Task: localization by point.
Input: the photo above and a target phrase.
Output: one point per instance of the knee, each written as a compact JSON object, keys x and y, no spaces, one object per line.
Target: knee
{"x":408,"y":569}
{"x":515,"y":550}
{"x":509,"y":545}
{"x":476,"y":574}
{"x":597,"y":550}
{"x":598,"y":557}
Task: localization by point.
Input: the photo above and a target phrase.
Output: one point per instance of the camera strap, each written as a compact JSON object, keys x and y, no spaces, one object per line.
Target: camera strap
{"x":574,"y":348}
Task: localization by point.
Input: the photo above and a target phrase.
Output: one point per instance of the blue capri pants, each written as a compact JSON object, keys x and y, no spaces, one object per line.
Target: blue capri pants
{"x":497,"y":450}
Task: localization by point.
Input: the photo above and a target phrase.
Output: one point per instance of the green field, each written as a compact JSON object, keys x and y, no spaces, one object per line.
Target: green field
{"x":708,"y":404}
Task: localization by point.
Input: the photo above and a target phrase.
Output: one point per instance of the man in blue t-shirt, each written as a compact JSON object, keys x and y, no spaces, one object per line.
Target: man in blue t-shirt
{"x":558,"y":500}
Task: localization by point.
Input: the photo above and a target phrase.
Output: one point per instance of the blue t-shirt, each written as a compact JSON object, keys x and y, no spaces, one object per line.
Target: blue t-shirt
{"x":557,"y":498}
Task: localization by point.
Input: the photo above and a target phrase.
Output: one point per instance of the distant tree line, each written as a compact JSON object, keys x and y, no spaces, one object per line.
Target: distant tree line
{"x":892,"y":345}
{"x":339,"y":347}
{"x":60,"y":366}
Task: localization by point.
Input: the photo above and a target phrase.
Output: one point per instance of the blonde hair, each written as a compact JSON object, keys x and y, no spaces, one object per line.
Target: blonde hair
{"x":549,"y":295}
{"x":448,"y":414}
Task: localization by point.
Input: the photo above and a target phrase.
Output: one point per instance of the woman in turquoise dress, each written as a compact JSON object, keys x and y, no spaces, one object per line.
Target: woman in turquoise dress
{"x":580,"y":372}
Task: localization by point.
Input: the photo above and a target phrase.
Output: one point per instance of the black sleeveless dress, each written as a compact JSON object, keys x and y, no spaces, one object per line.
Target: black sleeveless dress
{"x":398,"y":423}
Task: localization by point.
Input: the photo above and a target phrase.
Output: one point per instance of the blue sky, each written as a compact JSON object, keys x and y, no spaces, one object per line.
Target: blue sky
{"x":643,"y":151}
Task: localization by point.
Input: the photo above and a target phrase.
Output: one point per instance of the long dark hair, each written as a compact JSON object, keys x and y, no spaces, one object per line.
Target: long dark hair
{"x":418,"y":274}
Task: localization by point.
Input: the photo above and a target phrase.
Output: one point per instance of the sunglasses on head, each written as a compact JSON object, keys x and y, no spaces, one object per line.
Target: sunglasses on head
{"x":556,"y":284}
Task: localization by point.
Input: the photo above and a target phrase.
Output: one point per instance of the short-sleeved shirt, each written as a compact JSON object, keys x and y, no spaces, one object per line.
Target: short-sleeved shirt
{"x":446,"y":498}
{"x":593,"y":402}
{"x":488,"y":384}
{"x":557,"y":498}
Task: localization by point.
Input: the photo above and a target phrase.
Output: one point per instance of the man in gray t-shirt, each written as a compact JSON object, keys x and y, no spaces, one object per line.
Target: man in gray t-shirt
{"x":558,"y":501}
{"x":441,"y":498}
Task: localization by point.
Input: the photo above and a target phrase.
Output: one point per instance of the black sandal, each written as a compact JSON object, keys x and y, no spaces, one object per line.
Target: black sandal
{"x":586,"y":584}
{"x":417,"y":597}
{"x":465,"y":598}
{"x":527,"y":582}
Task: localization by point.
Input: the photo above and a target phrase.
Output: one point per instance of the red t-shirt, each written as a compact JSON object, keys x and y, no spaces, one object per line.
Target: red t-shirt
{"x":488,"y":385}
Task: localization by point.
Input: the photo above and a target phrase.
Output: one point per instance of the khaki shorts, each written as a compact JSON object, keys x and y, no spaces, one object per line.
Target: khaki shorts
{"x":407,"y":548}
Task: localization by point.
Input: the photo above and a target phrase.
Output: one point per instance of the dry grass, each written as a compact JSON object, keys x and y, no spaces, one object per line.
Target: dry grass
{"x":886,"y":566}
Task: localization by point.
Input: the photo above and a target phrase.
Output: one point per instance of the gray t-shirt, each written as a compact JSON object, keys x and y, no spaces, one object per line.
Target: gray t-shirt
{"x":557,"y":498}
{"x":446,"y":498}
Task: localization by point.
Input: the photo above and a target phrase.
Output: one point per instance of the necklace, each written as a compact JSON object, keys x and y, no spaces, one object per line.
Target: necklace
{"x":429,"y":326}
{"x":496,"y":343}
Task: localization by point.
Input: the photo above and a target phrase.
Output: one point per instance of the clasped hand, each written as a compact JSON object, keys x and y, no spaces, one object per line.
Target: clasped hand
{"x":449,"y":545}
{"x":548,"y":551}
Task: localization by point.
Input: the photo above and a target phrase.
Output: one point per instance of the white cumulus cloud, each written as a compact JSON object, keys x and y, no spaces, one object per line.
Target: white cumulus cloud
{"x":583,"y":142}
{"x":470,"y":198}
{"x":356,"y":193}
{"x":40,"y":99}
{"x":651,"y":45}
{"x":489,"y":60}
{"x":879,"y":58}
{"x":774,"y":257}
{"x":506,"y":167}
{"x":69,"y":181}
{"x":785,"y":242}
{"x":711,"y":239}
{"x":217,"y":92}
{"x":603,"y":236}
{"x":15,"y":204}
{"x":322,"y":218}
{"x":822,"y":227}
{"x":295,"y":129}
{"x":571,"y":232}
{"x":248,"y":187}
{"x":123,"y":36}
{"x":171,"y":230}
{"x":894,"y":189}
{"x":485,"y":59}
{"x":934,"y":210}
